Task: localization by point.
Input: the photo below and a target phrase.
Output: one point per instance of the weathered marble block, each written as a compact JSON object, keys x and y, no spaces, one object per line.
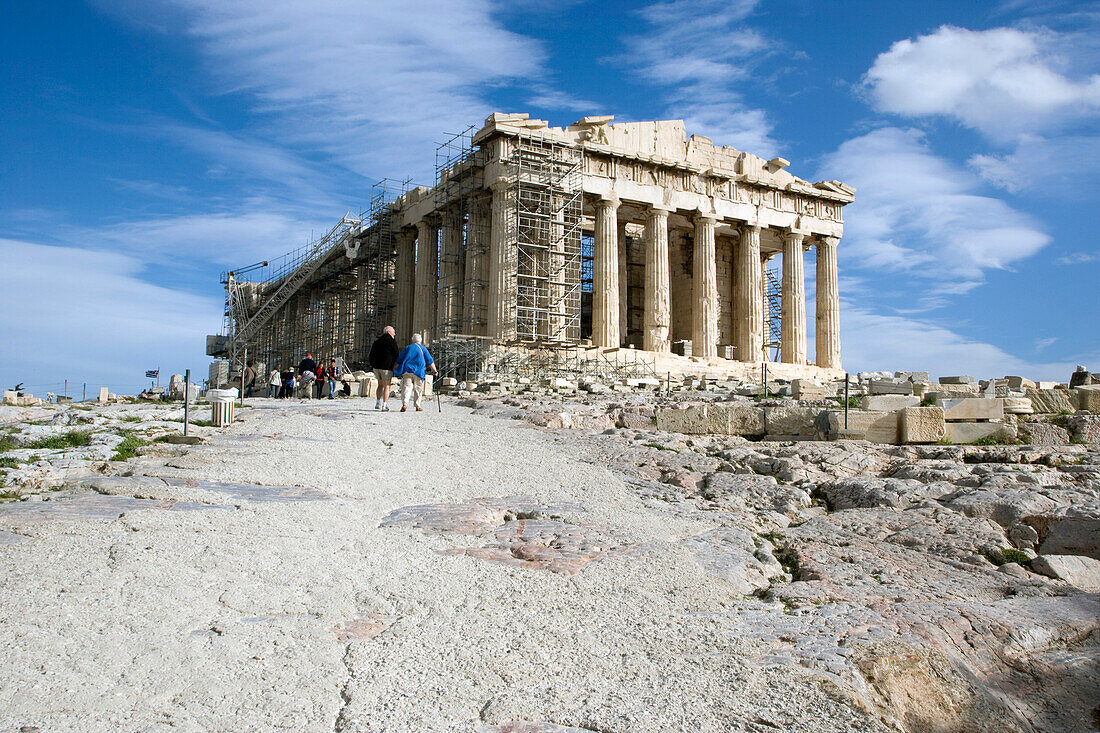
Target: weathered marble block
{"x":1088,"y":398}
{"x":971,"y":432}
{"x":877,"y":427}
{"x":922,"y":425}
{"x":976,"y":408}
{"x":885,"y":402}
{"x":884,"y":386}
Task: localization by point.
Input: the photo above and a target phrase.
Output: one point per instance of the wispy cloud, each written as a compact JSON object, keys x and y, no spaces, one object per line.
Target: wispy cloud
{"x":702,"y":53}
{"x":94,"y":318}
{"x":917,"y":213}
{"x":1078,"y":258}
{"x":371,"y":84}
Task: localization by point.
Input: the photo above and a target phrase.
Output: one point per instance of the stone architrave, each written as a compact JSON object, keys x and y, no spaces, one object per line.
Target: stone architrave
{"x":750,"y":306}
{"x":427,"y":264}
{"x":403,"y":293}
{"x":828,"y":304}
{"x":502,"y":268}
{"x":793,"y":343}
{"x":657,"y":287}
{"x":704,"y":312}
{"x":605,"y":276}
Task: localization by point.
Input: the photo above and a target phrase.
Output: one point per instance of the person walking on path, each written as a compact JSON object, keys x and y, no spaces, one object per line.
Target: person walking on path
{"x":335,"y":377}
{"x":412,"y":364}
{"x":383,"y":359}
{"x":249,"y":378}
{"x":274,"y":383}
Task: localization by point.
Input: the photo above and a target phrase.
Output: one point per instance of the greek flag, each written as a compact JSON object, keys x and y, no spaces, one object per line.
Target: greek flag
{"x":152,"y":373}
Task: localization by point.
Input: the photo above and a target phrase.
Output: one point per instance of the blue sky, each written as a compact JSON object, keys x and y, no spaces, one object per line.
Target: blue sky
{"x":147,"y":145}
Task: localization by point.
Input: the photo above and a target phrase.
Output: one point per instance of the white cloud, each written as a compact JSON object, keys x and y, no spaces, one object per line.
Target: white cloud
{"x":1002,"y":81}
{"x":372,"y":84}
{"x":1079,"y":258}
{"x":917,"y":212}
{"x":872,"y":342}
{"x":701,"y":52}
{"x":88,"y":316}
{"x":1062,"y":166}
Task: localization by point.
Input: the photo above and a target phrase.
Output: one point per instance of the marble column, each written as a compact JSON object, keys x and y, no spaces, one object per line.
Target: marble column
{"x":502,"y":267}
{"x":657,"y":287}
{"x":828,"y":304}
{"x":704,"y":277}
{"x":477,"y":263}
{"x":403,"y":292}
{"x":624,"y":293}
{"x":450,"y":273}
{"x":750,"y":304}
{"x":427,"y":270}
{"x":793,"y":342}
{"x":605,"y":275}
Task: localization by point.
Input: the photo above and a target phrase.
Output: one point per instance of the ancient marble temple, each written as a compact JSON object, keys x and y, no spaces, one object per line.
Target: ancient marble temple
{"x":610,"y":235}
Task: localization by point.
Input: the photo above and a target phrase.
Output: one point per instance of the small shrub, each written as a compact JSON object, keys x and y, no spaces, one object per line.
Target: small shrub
{"x":1003,"y":556}
{"x":130,"y":418}
{"x":994,"y":440}
{"x":8,"y":462}
{"x":928,"y":401}
{"x":126,"y":448}
{"x":71,"y":439}
{"x":7,"y":444}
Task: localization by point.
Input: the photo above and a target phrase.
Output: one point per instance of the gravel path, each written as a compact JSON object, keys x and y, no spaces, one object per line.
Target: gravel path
{"x":305,"y":613}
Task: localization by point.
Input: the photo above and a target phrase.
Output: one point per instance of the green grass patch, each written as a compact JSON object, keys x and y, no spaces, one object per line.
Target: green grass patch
{"x":994,"y":440}
{"x":71,"y":439}
{"x":130,"y":418}
{"x":658,"y":446}
{"x":125,"y":449}
{"x":928,"y":401}
{"x":7,"y":444}
{"x":8,"y":494}
{"x":8,"y":462}
{"x":1003,"y":556}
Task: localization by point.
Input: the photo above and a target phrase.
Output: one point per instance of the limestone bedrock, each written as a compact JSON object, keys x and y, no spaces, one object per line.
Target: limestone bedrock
{"x":316,"y":567}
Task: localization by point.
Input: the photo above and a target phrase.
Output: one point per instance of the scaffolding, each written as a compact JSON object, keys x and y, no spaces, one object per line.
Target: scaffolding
{"x":463,"y":277}
{"x":478,"y":359}
{"x":330,"y":297}
{"x":773,"y":309}
{"x":544,"y":221}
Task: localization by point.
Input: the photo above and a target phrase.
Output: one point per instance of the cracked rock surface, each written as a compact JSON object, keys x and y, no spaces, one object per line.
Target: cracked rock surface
{"x":493,"y":569}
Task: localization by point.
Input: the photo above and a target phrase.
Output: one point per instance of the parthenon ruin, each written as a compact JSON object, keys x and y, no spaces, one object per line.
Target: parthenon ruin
{"x":596,"y":235}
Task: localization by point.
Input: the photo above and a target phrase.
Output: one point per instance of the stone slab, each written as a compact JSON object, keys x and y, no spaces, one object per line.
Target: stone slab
{"x":808,"y":389}
{"x":884,"y":386}
{"x":958,"y":380}
{"x":1082,"y":572}
{"x":1051,"y":401}
{"x":887,"y":402}
{"x":952,"y":390}
{"x":717,"y":419}
{"x":972,"y":408}
{"x":963,"y":433}
{"x":877,"y":427}
{"x":104,"y":395}
{"x":1088,"y":398}
{"x":921,"y":425}
{"x":1019,"y":383}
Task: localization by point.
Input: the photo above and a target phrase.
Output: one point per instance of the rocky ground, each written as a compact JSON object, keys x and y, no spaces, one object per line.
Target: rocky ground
{"x":525,"y":564}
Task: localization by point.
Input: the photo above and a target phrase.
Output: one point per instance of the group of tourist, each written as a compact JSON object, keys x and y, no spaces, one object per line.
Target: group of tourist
{"x":313,"y":378}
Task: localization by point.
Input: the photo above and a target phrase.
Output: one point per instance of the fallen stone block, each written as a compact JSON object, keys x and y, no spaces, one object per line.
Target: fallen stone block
{"x":791,"y":421}
{"x":717,"y":419}
{"x":1082,"y":572}
{"x":1088,"y":398}
{"x":912,"y":376}
{"x":952,"y":390}
{"x":891,"y":386}
{"x":808,"y":389}
{"x":877,"y":427}
{"x":887,"y":402}
{"x":958,"y":380}
{"x":1019,"y":383}
{"x":104,"y":395}
{"x":963,"y":433}
{"x":922,"y":425}
{"x":11,"y":398}
{"x":1041,"y":433}
{"x":972,"y":408}
{"x":1051,"y":401}
{"x":1084,"y":428}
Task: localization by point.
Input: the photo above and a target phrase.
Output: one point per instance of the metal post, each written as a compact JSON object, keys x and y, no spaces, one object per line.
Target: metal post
{"x":244,"y":365}
{"x":66,"y":387}
{"x":186,"y":397}
{"x":84,"y":397}
{"x":845,"y":400}
{"x":765,"y":365}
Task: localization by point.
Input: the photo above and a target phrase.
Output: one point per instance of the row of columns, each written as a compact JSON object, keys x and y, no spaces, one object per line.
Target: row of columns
{"x":609,"y":297}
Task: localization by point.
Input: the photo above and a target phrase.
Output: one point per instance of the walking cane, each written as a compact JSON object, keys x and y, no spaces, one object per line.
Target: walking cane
{"x":438,"y":404}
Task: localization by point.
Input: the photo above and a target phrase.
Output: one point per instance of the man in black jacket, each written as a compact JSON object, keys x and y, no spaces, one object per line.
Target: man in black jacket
{"x":383,"y":358}
{"x":307,"y":379}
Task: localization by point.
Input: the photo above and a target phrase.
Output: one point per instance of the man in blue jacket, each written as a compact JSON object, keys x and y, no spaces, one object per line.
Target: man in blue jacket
{"x":412,"y":365}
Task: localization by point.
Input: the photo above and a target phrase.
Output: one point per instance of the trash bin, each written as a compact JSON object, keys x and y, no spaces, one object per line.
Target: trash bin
{"x":221,"y":403}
